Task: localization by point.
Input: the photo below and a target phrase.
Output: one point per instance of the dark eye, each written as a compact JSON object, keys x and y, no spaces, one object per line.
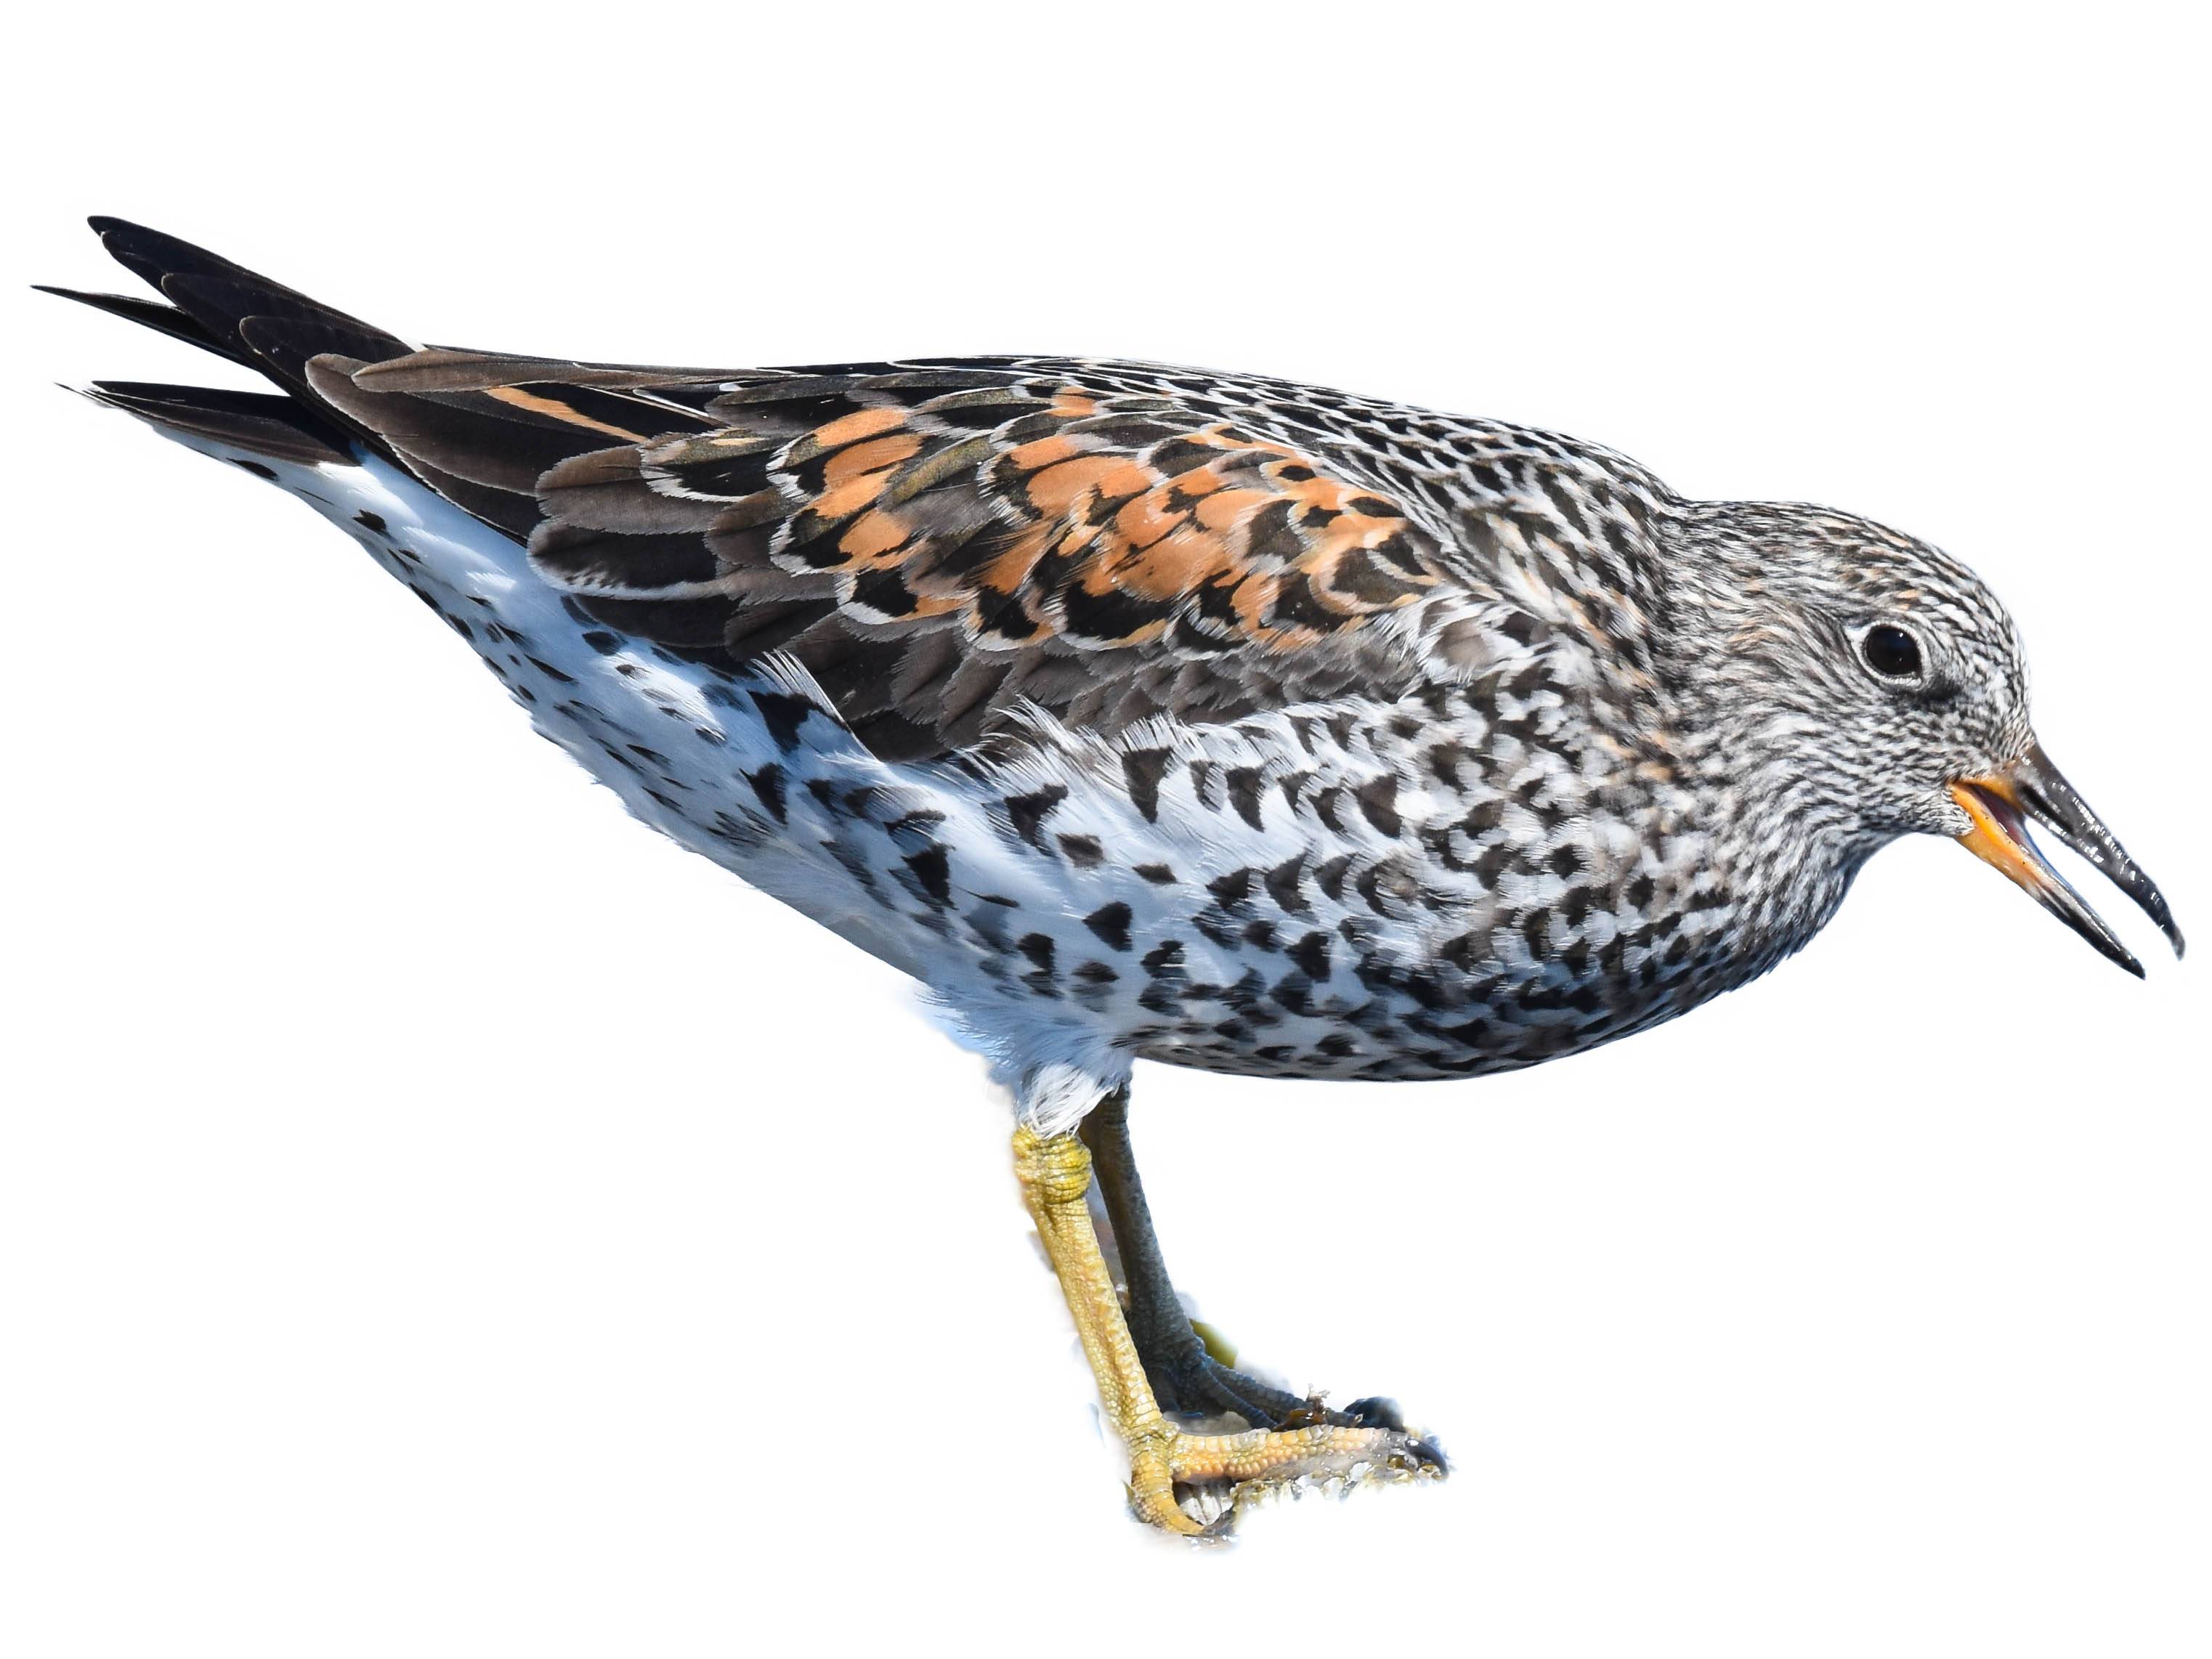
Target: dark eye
{"x":1891,"y":652}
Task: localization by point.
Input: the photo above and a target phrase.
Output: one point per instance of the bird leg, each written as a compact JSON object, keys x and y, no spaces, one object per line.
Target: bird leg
{"x":1054,"y":1172}
{"x":1185,"y":1375}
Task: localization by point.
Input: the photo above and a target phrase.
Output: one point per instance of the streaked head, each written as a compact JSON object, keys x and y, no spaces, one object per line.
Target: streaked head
{"x":1881,"y":689}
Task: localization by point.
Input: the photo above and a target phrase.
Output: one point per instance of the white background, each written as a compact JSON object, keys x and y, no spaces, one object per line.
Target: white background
{"x":437,"y":1218}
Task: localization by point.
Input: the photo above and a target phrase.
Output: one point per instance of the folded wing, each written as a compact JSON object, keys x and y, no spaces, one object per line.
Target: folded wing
{"x":935,"y":542}
{"x":939,"y":542}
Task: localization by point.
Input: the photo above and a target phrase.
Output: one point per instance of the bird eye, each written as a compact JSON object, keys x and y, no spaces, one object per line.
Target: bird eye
{"x":1891,"y":652}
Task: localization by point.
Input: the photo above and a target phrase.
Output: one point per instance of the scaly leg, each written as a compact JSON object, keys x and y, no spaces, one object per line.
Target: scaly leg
{"x":1185,"y":1376}
{"x":1055,"y":1175}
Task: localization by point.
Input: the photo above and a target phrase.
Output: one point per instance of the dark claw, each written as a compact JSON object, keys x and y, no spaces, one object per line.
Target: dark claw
{"x":1375,"y":1412}
{"x":1427,"y":1455}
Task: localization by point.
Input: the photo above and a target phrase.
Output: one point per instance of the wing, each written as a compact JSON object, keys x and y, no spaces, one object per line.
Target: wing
{"x":942,"y":543}
{"x":938,"y":543}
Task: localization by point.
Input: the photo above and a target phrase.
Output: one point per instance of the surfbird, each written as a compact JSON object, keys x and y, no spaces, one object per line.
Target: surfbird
{"x":1146,"y":712}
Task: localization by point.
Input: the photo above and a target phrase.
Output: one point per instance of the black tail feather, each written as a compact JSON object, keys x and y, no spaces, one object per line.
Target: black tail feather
{"x":481,"y":445}
{"x":212,"y":304}
{"x":152,"y":313}
{"x":219,"y":295}
{"x":281,"y":429}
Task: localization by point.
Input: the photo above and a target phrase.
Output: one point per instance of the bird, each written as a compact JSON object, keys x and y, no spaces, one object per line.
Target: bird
{"x":1144,"y":712}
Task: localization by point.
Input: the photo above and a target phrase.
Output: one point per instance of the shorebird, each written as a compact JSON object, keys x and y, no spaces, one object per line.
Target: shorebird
{"x":1138,"y":711}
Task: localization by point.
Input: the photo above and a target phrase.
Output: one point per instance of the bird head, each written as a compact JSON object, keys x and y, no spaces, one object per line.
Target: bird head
{"x":1878,"y":688}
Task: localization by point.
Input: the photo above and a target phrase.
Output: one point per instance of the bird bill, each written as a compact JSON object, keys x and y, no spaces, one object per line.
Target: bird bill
{"x":2001,"y":804}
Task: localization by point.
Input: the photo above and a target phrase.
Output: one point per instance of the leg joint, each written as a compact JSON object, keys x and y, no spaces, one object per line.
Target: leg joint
{"x":1055,"y":1168}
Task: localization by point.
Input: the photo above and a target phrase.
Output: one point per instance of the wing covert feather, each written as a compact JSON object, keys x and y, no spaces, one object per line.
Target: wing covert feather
{"x":938,"y":541}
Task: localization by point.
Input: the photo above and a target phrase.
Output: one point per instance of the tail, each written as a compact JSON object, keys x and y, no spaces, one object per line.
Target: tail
{"x":244,"y":317}
{"x":470,"y":437}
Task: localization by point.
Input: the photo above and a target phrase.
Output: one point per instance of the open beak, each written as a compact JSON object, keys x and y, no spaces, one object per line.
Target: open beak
{"x":2002,"y":803}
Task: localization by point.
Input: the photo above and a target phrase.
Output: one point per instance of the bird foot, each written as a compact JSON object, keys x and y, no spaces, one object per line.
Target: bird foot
{"x":1197,"y":1484}
{"x":1304,"y":1444}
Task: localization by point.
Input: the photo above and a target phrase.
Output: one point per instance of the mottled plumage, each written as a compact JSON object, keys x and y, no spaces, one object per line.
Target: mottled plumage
{"x":1141,"y":711}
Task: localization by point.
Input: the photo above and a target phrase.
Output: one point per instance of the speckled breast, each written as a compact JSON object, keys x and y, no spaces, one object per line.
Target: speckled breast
{"x":1470,"y":880}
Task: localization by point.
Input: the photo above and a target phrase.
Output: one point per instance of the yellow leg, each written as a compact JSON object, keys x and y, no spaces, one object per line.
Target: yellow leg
{"x":1055,"y":1175}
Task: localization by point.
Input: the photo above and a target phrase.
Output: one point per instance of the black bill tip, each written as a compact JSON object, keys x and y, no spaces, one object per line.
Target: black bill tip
{"x":1998,"y":837}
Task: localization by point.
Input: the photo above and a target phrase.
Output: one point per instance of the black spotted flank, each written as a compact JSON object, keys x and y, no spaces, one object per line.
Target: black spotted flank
{"x":1311,"y":955}
{"x":932,"y":867}
{"x":371,"y":522}
{"x":1082,"y":851}
{"x":1164,"y":960}
{"x":1028,"y":812}
{"x":1143,"y":769}
{"x":1378,"y":799}
{"x":783,"y":715}
{"x":1111,"y":923}
{"x":1244,"y":793}
{"x":1233,"y":890}
{"x":768,"y":784}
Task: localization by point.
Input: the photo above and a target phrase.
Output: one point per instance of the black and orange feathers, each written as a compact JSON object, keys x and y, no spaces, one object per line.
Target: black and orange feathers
{"x":941,"y":542}
{"x":935,"y":541}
